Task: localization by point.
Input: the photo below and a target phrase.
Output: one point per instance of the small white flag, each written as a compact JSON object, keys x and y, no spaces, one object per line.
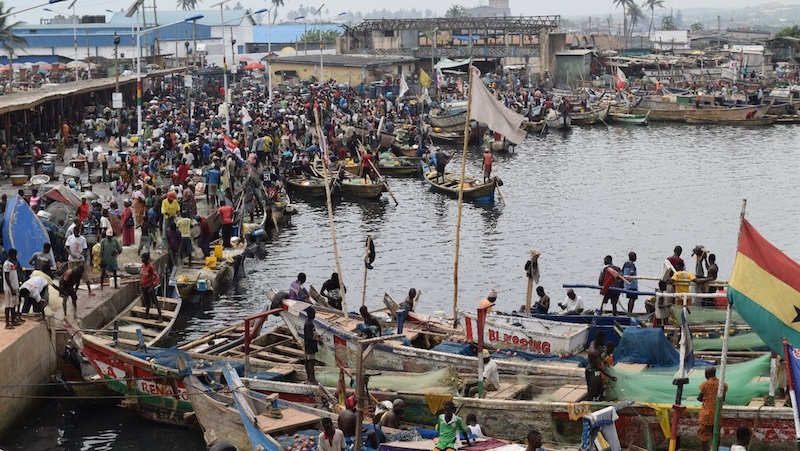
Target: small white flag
{"x":403,"y":87}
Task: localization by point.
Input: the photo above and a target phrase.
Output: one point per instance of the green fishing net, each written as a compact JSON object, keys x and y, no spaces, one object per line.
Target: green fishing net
{"x":655,"y":385}
{"x":444,"y":378}
{"x":706,"y":315}
{"x":748,"y":341}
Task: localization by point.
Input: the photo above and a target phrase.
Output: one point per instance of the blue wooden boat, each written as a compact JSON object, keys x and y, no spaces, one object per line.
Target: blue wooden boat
{"x":22,"y":230}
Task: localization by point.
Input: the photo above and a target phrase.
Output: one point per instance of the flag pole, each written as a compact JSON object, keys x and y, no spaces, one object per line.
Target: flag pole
{"x":792,"y":392}
{"x":680,"y":380}
{"x":461,"y":192}
{"x":724,"y":360}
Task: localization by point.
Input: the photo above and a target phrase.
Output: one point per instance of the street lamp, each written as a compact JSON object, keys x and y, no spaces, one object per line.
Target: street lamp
{"x":224,"y":67}
{"x":14,"y":13}
{"x":139,"y":34}
{"x":234,"y":63}
{"x":116,"y":80}
{"x":321,"y":43}
{"x":305,"y":33}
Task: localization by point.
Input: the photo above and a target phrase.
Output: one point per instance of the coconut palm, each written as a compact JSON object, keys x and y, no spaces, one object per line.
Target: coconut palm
{"x":634,"y":16}
{"x":455,"y":11}
{"x":652,"y":5}
{"x":187,"y":4}
{"x":275,"y":5}
{"x":624,"y":4}
{"x":8,"y":40}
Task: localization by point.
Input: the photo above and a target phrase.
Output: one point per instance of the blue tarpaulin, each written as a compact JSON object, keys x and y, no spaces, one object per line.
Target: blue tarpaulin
{"x":646,"y":345}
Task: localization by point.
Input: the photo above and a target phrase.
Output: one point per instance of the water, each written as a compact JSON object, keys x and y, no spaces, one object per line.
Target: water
{"x":574,"y":196}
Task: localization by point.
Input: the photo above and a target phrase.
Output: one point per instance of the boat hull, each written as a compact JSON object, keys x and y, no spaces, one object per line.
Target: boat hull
{"x":307,"y":187}
{"x":766,"y":120}
{"x":449,"y":185}
{"x":535,"y":336}
{"x":22,"y":230}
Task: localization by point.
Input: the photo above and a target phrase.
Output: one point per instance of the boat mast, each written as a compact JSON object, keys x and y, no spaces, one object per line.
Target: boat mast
{"x":461,"y":189}
{"x":324,"y":148}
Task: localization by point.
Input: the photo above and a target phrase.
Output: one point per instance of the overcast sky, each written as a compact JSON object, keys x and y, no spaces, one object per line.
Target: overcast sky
{"x":524,"y":7}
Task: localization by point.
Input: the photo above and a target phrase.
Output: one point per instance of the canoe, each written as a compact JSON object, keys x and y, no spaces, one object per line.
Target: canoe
{"x":307,"y":186}
{"x":605,"y":323}
{"x":533,"y":126}
{"x":449,"y":184}
{"x":560,"y":122}
{"x":22,"y":230}
{"x":339,"y":343}
{"x":240,"y":416}
{"x":629,"y":118}
{"x":358,"y":187}
{"x":448,"y":137}
{"x":403,"y":168}
{"x":590,"y":117}
{"x":766,"y":120}
{"x":196,"y":282}
{"x":124,"y":328}
{"x":704,"y":112}
{"x":501,"y":146}
{"x":532,"y":335}
{"x":447,"y":120}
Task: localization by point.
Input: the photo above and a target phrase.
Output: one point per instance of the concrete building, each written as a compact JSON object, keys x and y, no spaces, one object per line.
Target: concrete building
{"x":350,"y":69}
{"x":495,"y":8}
{"x":573,"y":65}
{"x":667,"y":41}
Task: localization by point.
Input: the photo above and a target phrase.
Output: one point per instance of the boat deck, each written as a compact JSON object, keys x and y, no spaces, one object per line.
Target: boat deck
{"x":292,"y":419}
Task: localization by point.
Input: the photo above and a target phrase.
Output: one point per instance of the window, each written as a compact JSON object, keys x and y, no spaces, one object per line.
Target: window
{"x":240,"y":49}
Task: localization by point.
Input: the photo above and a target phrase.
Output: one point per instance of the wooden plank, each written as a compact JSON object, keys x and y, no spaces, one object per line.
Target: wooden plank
{"x":150,"y":322}
{"x":576,"y":395}
{"x":291,"y":419}
{"x":153,"y":311}
{"x":291,"y":351}
{"x":631,"y":367}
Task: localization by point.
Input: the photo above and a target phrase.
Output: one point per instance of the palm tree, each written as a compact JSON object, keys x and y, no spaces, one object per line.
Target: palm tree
{"x":652,"y":5}
{"x":455,"y":11}
{"x":7,"y":38}
{"x":275,"y":5}
{"x":635,"y":15}
{"x":624,"y":4}
{"x":187,"y":4}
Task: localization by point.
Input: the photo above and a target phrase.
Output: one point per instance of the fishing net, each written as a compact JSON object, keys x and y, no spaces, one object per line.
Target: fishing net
{"x":745,"y":382}
{"x":747,"y":341}
{"x":706,"y":315}
{"x":445,"y":377}
{"x":646,"y":345}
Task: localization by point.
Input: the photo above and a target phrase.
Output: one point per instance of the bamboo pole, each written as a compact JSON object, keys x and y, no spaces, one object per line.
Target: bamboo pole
{"x":461,"y":197}
{"x":330,"y":218}
{"x":529,"y":292}
{"x":724,"y":360}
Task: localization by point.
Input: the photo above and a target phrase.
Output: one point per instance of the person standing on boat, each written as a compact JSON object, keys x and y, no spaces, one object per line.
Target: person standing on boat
{"x":448,"y":425}
{"x":489,"y":301}
{"x":708,"y":396}
{"x":673,"y":260}
{"x":297,"y":291}
{"x":310,"y":344}
{"x":204,"y":238}
{"x":631,"y":284}
{"x":595,"y":370}
{"x":491,"y":377}
{"x":682,"y":280}
{"x":410,"y":300}
{"x":609,"y":279}
{"x":441,"y":163}
{"x":366,"y":160}
{"x":331,"y":438}
{"x":332,"y":291}
{"x":542,"y":306}
{"x":486,"y":164}
{"x":573,"y":304}
{"x":149,"y":280}
{"x":226,"y":214}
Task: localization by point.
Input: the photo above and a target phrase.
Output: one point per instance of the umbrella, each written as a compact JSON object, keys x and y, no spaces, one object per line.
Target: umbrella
{"x":76,"y":64}
{"x":44,"y":67}
{"x":5,"y":67}
{"x":244,"y":58}
{"x":254,"y":66}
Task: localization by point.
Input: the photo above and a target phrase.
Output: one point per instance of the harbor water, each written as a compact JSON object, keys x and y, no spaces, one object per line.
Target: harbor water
{"x":574,"y":196}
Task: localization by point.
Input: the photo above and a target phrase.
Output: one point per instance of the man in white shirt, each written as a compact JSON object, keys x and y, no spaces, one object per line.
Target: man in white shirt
{"x":573,"y":304}
{"x":742,"y":439}
{"x":76,"y":247}
{"x":36,"y":293}
{"x":330,"y":439}
{"x":491,"y":376}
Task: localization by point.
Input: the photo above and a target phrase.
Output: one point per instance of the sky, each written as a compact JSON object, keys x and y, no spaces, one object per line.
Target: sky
{"x":523,"y":7}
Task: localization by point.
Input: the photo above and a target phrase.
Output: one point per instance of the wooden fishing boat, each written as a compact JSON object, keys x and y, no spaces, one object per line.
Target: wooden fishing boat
{"x":704,"y":112}
{"x":359,"y":187}
{"x":385,"y":141}
{"x":590,"y":117}
{"x":196,"y":281}
{"x":240,"y":416}
{"x":532,"y":335}
{"x":399,"y":167}
{"x":448,"y":137}
{"x":766,"y":120}
{"x":307,"y":186}
{"x":629,"y":118}
{"x":340,"y":336}
{"x":500,"y":146}
{"x":449,"y":184}
{"x":605,"y":323}
{"x":533,"y":126}
{"x":559,"y":122}
{"x":448,"y":120}
{"x":124,"y":329}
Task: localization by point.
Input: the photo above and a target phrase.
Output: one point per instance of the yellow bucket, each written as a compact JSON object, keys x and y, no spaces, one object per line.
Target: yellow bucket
{"x":211,"y":262}
{"x":218,"y":252}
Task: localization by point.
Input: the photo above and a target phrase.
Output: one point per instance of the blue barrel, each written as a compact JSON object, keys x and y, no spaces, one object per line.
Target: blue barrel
{"x":49,"y":167}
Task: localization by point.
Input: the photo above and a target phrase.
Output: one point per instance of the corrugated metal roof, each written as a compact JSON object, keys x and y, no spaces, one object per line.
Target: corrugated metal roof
{"x":575,"y":52}
{"x":347,"y":60}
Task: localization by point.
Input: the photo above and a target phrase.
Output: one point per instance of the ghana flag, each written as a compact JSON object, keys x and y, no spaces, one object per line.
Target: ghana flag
{"x":765,"y":289}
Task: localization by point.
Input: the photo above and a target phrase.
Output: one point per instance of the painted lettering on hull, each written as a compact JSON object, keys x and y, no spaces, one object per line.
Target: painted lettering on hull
{"x":519,"y":341}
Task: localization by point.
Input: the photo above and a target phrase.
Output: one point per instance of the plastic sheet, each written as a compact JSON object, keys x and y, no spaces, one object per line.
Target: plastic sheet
{"x":646,"y":345}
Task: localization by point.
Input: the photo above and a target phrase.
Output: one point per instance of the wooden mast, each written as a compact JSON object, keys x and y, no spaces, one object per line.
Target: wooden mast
{"x":330,"y":211}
